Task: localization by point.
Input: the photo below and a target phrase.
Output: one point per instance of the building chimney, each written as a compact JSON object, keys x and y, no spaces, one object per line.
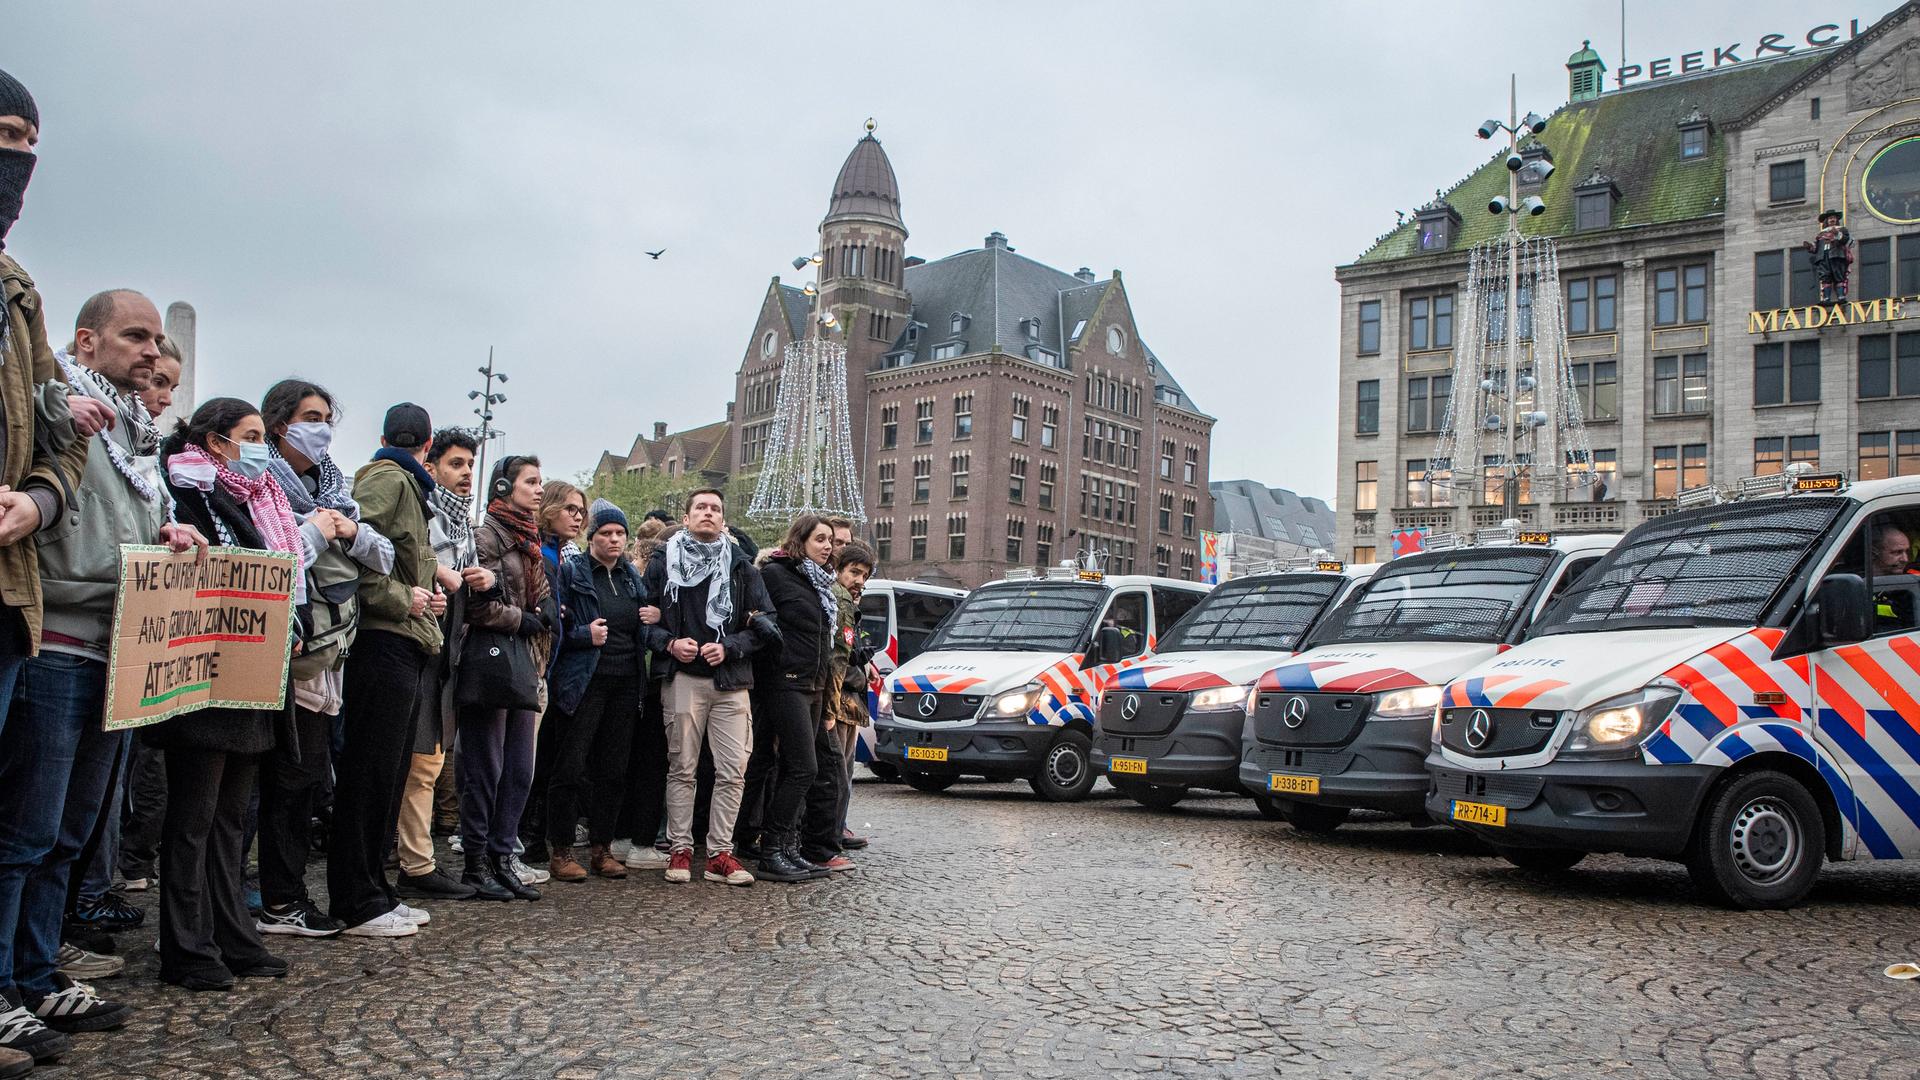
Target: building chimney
{"x":659,"y":430}
{"x":997,"y":239}
{"x":1084,"y":274}
{"x":729,"y":412}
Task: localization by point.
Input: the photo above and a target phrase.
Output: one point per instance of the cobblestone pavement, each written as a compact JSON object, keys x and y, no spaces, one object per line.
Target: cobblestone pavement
{"x":987,"y":934}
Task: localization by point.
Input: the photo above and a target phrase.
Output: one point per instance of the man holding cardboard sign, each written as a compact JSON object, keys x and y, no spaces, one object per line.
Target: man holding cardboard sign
{"x":56,"y":758}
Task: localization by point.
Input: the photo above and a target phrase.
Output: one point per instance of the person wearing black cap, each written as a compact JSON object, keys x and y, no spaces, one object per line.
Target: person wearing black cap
{"x":386,"y":678}
{"x":39,"y":479}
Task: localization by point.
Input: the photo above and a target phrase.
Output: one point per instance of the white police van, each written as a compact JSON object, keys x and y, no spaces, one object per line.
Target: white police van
{"x":1346,"y":724}
{"x":896,"y":619}
{"x":1006,"y":687}
{"x":1736,"y":686}
{"x":1173,"y":723}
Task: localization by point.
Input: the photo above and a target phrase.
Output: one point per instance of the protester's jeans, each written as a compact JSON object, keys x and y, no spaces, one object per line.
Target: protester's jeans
{"x":496,"y":774}
{"x":849,"y":740}
{"x":819,"y":831}
{"x":698,"y":714}
{"x":288,"y":788}
{"x":96,"y":877}
{"x":590,"y":766}
{"x":55,"y":767}
{"x":385,"y":677}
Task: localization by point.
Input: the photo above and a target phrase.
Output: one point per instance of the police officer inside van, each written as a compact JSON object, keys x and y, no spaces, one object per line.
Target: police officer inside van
{"x":1891,"y":556}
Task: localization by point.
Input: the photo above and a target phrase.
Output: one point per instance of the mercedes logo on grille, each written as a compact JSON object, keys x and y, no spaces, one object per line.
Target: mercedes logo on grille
{"x":929,"y":704}
{"x":1296,"y":712}
{"x":1479,"y":728}
{"x":1130,"y":707}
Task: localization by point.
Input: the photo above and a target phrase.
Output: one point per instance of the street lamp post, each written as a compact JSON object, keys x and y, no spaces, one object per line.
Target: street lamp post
{"x":487,"y":399}
{"x":1513,"y":206}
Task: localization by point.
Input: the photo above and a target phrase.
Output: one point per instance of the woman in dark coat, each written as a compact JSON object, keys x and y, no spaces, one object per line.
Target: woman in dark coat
{"x":216,"y":469}
{"x":790,"y":684}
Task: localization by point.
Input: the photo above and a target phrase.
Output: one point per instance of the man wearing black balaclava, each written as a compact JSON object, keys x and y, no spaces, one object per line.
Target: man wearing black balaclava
{"x":40,"y":466}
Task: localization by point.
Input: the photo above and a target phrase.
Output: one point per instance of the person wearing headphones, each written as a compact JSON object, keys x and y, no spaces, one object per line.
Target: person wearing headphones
{"x":497,"y":744}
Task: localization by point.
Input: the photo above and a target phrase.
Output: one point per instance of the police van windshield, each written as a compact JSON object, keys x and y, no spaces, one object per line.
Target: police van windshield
{"x":1716,"y":566}
{"x":1040,"y":617}
{"x":1473,"y":595}
{"x":1264,"y":613}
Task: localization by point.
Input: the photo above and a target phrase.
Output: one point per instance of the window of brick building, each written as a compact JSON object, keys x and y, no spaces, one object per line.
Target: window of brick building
{"x":922,"y":479}
{"x":1049,"y":426}
{"x":917,"y":539}
{"x":956,"y":536}
{"x":886,"y":472}
{"x":923,"y":421}
{"x":889,"y":427}
{"x":1017,"y":479}
{"x":1192,"y":469}
{"x":1020,"y":407}
{"x":883,"y":539}
{"x":962,"y":465}
{"x":1043,"y":544}
{"x":1187,"y":514}
{"x":1016,"y":540}
{"x":963,"y":416}
{"x":1049,"y":479}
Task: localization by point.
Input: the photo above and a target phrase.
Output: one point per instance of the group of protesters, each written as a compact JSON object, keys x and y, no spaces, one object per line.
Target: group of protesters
{"x":533,"y":678}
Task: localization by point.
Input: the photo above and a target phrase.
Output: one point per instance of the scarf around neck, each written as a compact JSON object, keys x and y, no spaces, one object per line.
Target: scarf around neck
{"x":266,"y":504}
{"x":332,"y":492}
{"x":691,"y":561}
{"x":526,"y":534}
{"x":136,"y":461}
{"x":411,"y":464}
{"x":453,"y":514}
{"x":822,"y":584}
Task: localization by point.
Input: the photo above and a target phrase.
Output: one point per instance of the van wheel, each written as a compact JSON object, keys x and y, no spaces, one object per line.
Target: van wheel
{"x":1269,"y":809}
{"x":1310,"y":818}
{"x":1152,"y":796}
{"x":884,"y":771}
{"x":1757,"y":844}
{"x":1066,"y":771}
{"x":1541,"y":860}
{"x":932,"y":783}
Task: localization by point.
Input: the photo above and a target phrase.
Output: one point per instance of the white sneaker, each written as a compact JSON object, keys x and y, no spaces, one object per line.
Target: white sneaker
{"x":392,"y":924}
{"x":529,"y":875}
{"x":645,"y":857}
{"x":580,"y":837}
{"x":456,"y":844}
{"x":414,"y":915}
{"x":620,"y":848}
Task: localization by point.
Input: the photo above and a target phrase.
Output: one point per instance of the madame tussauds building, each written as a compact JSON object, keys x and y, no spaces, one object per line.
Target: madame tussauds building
{"x":1738,"y":239}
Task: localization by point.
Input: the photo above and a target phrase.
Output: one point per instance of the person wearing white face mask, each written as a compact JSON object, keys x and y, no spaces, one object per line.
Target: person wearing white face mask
{"x":298,"y":417}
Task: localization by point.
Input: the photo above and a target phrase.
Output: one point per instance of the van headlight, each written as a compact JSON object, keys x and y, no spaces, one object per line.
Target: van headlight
{"x":886,"y":703}
{"x":1017,"y":702}
{"x":1617,"y":726}
{"x":1217,"y":699}
{"x":1409,"y":703}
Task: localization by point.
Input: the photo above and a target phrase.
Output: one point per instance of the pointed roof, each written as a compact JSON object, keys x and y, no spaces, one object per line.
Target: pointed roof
{"x":866,"y":186}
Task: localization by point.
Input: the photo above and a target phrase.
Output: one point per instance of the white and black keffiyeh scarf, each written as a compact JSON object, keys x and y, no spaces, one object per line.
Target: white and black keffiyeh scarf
{"x":330,"y":494}
{"x":453,"y":516}
{"x":138,"y":461}
{"x":822,"y":584}
{"x":689,"y":562}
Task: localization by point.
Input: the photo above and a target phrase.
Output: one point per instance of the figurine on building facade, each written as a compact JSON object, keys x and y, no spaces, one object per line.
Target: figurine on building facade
{"x":1832,"y":249}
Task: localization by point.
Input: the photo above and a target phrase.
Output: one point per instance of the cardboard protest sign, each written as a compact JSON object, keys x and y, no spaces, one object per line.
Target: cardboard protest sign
{"x":191,"y":634}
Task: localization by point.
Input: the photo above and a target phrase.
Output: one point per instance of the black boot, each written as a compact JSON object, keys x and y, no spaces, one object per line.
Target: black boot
{"x":504,"y":876}
{"x":750,"y":847}
{"x":790,"y":850}
{"x":774,"y":864}
{"x":480,"y":875}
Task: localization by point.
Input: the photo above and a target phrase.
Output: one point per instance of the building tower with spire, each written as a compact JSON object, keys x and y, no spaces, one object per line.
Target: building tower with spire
{"x":863,"y":243}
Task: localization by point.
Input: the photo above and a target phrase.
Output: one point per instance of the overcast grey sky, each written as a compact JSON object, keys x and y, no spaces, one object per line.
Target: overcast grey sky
{"x":371,"y":193}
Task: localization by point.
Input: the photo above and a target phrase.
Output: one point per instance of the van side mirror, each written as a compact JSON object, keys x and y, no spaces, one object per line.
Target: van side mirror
{"x":1109,"y":646}
{"x":1843,"y":609}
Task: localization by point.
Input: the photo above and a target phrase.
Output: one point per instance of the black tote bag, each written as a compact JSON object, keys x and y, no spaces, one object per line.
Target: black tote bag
{"x":497,"y":672}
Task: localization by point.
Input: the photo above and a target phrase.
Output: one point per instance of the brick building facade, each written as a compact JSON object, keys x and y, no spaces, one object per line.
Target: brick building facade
{"x":1700,"y":350}
{"x":1005,"y":413}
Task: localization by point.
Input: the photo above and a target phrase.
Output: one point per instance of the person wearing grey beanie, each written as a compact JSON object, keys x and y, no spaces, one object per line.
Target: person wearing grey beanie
{"x":602,"y":513}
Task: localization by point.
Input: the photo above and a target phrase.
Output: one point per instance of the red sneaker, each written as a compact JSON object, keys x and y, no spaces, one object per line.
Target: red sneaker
{"x":724,"y":867}
{"x":839,"y":864}
{"x":680,"y":867}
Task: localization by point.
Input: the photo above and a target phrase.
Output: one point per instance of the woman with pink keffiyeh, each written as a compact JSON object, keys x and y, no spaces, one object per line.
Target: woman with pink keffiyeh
{"x":216,"y":468}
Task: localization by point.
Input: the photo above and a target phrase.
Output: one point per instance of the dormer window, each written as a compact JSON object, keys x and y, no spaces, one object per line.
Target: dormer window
{"x":1538,"y":166}
{"x":957,"y":323}
{"x":1593,"y":201}
{"x":1695,"y":131}
{"x":913,"y":331}
{"x":947,"y":350}
{"x":1043,"y":356}
{"x":1439,"y":223}
{"x":1030,"y":328}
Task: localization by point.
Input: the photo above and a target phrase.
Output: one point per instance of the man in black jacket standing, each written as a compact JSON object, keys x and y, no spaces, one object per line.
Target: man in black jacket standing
{"x":708,"y":595}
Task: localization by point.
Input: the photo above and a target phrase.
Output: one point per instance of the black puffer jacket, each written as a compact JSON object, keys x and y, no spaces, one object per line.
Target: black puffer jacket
{"x":804,"y":658}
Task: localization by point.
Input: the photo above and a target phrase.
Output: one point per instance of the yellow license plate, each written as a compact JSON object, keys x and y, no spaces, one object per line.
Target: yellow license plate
{"x":1134,"y":765}
{"x":1479,"y":813}
{"x":1294,"y":785}
{"x":926,"y":753}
